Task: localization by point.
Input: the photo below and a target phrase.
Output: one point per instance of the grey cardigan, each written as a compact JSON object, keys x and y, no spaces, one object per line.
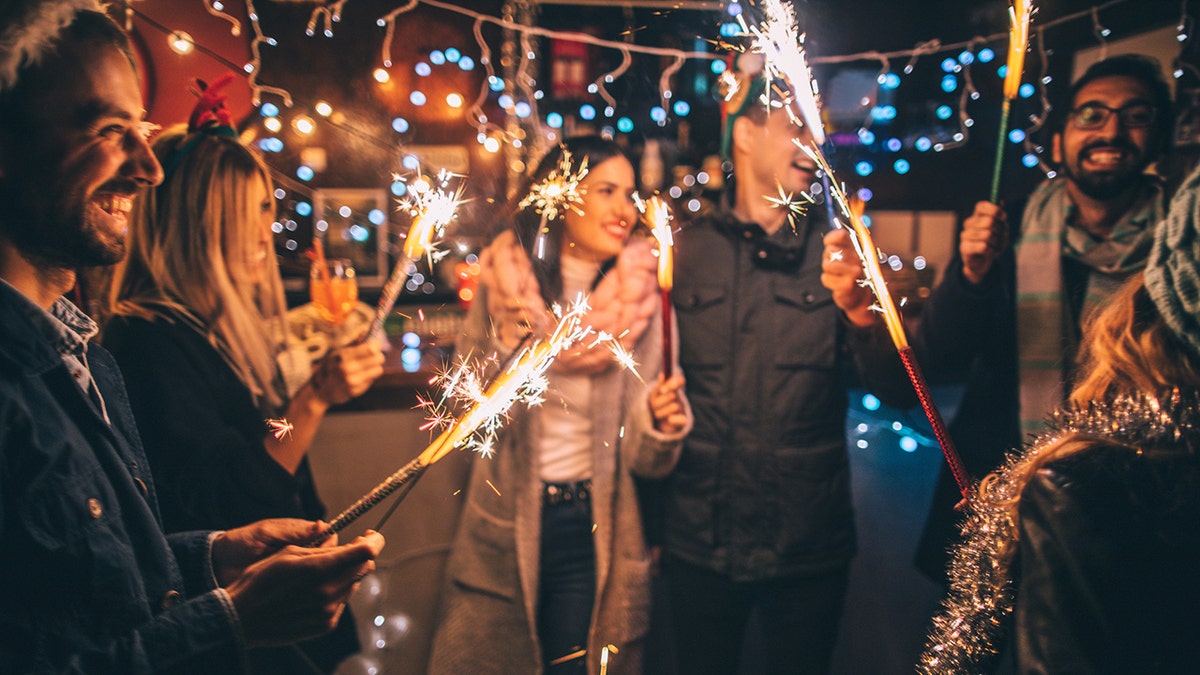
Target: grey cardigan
{"x":487,"y":622}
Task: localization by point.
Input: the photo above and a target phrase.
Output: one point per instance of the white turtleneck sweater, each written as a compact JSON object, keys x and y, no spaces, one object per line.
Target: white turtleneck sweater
{"x":566,"y":442}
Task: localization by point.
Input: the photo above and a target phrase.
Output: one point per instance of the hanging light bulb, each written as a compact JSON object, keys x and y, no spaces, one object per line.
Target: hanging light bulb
{"x":180,"y":42}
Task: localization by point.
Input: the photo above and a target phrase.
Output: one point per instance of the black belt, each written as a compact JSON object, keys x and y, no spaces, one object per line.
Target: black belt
{"x":567,"y":493}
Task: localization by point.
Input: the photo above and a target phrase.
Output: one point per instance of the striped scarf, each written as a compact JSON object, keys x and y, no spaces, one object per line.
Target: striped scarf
{"x":1046,"y":330}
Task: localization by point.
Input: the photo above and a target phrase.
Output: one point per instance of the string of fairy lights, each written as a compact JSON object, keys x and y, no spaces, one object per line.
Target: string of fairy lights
{"x":519,"y":97}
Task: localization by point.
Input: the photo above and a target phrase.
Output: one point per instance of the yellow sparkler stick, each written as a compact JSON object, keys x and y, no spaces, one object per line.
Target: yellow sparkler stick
{"x":434,"y":208}
{"x":657,"y":213}
{"x":1019,"y":14}
{"x":525,"y":378}
{"x":779,"y":41}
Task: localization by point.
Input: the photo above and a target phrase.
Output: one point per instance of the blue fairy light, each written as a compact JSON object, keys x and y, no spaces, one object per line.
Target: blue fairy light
{"x":901,"y":166}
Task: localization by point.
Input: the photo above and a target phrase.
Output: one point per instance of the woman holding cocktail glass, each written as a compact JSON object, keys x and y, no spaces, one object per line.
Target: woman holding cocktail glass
{"x":198,"y":328}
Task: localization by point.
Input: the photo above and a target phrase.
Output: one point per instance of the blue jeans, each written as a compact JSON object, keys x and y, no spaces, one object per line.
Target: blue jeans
{"x":567,"y":587}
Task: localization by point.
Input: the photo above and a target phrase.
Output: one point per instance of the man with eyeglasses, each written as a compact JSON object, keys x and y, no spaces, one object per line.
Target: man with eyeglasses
{"x":1007,"y":319}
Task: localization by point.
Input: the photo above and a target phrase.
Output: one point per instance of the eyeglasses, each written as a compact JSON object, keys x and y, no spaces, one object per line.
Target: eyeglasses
{"x":1095,"y":115}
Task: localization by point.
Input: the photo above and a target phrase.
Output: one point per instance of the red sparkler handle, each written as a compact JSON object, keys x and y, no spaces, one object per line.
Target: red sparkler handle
{"x":935,"y":420}
{"x":668,"y":356}
{"x":407,"y":473}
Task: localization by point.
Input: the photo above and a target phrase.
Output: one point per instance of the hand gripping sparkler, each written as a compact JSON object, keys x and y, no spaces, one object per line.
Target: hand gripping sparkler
{"x":658,"y":216}
{"x":864,"y":245}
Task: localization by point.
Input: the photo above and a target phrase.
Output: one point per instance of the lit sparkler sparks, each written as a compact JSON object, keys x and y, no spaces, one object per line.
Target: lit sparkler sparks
{"x":864,"y":246}
{"x":787,"y":200}
{"x":780,"y":42}
{"x":658,"y":216}
{"x":523,"y":379}
{"x":560,"y":191}
{"x":1019,"y":14}
{"x":433,"y":208}
{"x":280,"y":427}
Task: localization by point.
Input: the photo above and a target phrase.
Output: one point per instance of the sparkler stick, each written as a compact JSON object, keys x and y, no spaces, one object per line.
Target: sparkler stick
{"x":560,"y":191}
{"x":523,"y":380}
{"x":778,"y":39}
{"x":434,"y":208}
{"x":1019,"y":14}
{"x":864,"y":245}
{"x":658,"y":216}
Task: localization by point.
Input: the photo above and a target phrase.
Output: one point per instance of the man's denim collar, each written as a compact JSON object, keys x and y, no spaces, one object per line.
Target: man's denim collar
{"x":65,"y":327}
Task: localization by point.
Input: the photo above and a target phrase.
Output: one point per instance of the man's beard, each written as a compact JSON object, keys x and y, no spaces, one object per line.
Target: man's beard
{"x":1106,"y":185}
{"x":51,"y":236}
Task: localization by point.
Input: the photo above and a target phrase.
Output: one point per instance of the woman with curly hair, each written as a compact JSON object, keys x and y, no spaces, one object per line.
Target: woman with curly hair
{"x":1084,"y":547}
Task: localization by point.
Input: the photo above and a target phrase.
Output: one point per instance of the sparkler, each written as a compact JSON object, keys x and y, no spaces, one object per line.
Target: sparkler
{"x":779,"y":41}
{"x":1019,"y":14}
{"x":658,"y":216}
{"x":781,"y":45}
{"x":864,"y":246}
{"x":560,"y":191}
{"x":433,"y":208}
{"x":795,"y":206}
{"x":523,"y":379}
{"x":280,"y":428}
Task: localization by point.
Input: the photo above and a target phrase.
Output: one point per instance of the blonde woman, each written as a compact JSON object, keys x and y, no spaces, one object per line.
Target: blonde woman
{"x":198,"y":329}
{"x":550,"y":570}
{"x":1086,"y":544}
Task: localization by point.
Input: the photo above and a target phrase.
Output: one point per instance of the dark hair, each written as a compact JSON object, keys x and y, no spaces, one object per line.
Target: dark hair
{"x":1144,"y":69}
{"x":88,"y":27}
{"x":526,"y":222}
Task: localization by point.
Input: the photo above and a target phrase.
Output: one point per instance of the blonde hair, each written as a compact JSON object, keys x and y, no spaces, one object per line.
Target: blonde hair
{"x":183,"y":235}
{"x":1128,"y":351}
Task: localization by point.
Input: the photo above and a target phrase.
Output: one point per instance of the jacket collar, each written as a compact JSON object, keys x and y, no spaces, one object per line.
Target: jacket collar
{"x":36,"y":338}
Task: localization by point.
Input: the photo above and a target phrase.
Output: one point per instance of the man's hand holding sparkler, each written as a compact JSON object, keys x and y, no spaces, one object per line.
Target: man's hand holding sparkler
{"x":984,"y":237}
{"x":841,"y":270}
{"x":282,"y":591}
{"x":666,"y":405}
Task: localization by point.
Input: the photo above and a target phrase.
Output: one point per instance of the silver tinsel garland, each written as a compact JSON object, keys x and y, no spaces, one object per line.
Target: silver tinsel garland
{"x":969,"y":632}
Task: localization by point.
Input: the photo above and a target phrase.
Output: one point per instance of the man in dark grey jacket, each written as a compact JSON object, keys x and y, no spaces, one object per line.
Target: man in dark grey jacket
{"x":758,"y":511}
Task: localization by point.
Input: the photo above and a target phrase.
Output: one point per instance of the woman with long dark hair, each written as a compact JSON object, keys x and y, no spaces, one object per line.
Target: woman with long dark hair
{"x":550,"y":570}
